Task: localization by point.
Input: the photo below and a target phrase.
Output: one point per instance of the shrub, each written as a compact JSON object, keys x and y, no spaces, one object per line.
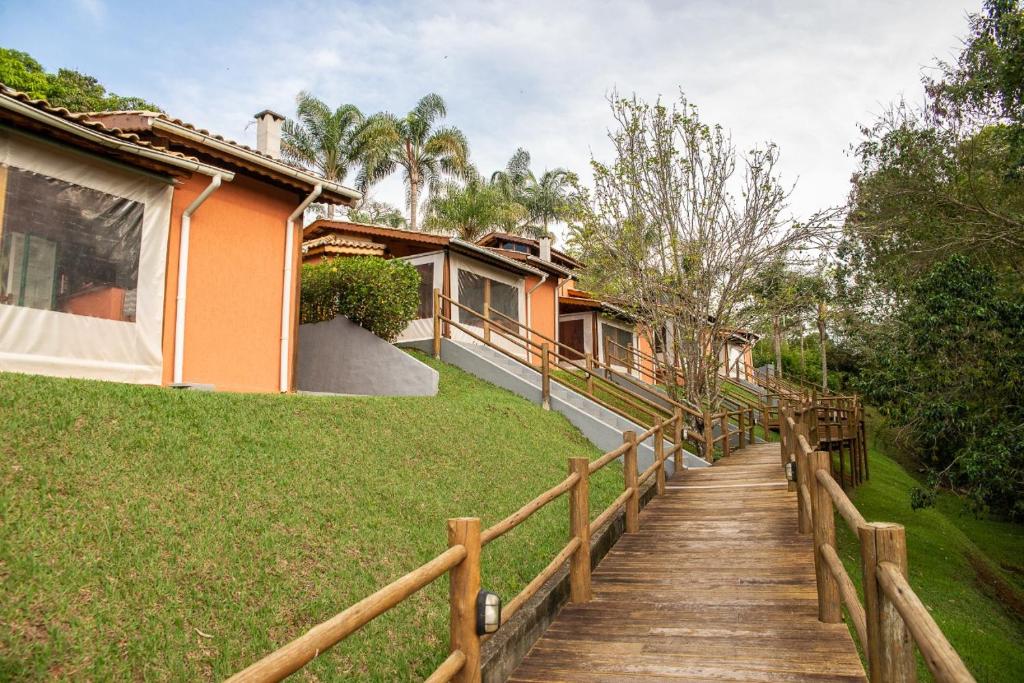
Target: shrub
{"x":377,"y":294}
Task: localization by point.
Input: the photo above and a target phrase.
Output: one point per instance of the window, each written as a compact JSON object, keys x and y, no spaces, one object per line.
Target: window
{"x":618,"y":345}
{"x":516,"y":246}
{"x":426,"y":308}
{"x":504,"y":299}
{"x":68,"y":248}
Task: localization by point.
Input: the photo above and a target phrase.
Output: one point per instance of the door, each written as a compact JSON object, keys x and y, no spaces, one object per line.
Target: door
{"x":570,"y":333}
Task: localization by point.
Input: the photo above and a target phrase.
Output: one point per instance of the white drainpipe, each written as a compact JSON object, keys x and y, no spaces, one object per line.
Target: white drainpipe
{"x":179,"y":309}
{"x":286,"y":302}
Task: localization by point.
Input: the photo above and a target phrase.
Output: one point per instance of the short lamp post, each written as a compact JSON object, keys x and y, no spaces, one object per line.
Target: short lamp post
{"x":488,"y":612}
{"x":791,"y":471}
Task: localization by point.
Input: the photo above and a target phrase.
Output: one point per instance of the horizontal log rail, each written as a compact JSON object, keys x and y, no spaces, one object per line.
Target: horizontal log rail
{"x":892,"y":618}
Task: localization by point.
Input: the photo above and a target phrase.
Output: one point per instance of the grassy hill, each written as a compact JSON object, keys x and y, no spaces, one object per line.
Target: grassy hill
{"x":149,"y":533}
{"x":967,"y":570}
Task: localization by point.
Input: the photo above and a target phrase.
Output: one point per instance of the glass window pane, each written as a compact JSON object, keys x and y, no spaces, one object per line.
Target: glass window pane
{"x":426,"y":308}
{"x":505,"y":299}
{"x":619,"y":346}
{"x":68,"y":248}
{"x":471,"y":294}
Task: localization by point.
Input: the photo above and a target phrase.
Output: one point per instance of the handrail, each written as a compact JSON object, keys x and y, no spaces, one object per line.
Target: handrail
{"x":887,"y":592}
{"x":939,"y":656}
{"x":531,"y":588}
{"x":525,"y":512}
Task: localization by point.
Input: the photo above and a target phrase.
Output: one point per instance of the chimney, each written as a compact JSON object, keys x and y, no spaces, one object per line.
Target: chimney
{"x":545,"y":248}
{"x":268,"y":133}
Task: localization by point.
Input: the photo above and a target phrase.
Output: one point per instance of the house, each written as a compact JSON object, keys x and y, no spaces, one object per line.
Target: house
{"x":516,"y":288}
{"x":136,"y":247}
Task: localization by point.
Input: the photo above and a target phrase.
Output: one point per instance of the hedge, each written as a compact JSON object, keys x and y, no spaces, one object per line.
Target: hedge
{"x":377,"y":294}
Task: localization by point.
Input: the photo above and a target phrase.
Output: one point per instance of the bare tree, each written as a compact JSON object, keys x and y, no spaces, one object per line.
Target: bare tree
{"x":679,"y":224}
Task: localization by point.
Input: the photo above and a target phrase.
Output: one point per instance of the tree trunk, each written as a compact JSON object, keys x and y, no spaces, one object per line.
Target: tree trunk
{"x":822,"y":311}
{"x":414,"y":199}
{"x":777,"y":345}
{"x":803,"y":361}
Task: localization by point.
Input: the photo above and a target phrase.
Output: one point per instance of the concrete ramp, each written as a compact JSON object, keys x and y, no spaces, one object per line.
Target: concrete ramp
{"x":340,"y":357}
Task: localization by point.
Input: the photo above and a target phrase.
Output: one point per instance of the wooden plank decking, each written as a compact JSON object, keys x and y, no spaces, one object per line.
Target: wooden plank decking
{"x":716,"y":586}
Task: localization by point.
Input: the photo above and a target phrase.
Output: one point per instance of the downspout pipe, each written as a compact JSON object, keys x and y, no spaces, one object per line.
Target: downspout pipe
{"x":287,"y":293}
{"x":182,"y":289}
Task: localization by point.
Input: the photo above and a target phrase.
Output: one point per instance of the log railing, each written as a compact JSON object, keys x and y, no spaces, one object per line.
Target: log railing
{"x":892,"y":618}
{"x":462,"y":562}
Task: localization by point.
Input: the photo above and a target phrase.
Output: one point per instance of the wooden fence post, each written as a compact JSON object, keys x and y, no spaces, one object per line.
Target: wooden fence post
{"x":590,"y":373}
{"x":824,"y":524}
{"x":890,"y":646}
{"x":743,"y":428}
{"x":545,"y":386}
{"x":678,"y":436}
{"x":752,"y":423}
{"x":437,"y":323}
{"x":724,"y":426}
{"x":630,"y":475}
{"x":709,"y":437}
{"x":659,"y":457}
{"x":464,"y":585}
{"x":579,"y":526}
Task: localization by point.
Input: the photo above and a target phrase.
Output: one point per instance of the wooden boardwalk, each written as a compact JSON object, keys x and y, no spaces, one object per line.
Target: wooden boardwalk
{"x":716,"y":586}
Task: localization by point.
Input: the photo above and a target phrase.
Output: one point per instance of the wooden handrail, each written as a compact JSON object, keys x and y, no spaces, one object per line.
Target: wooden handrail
{"x":847,"y":591}
{"x":610,"y":511}
{"x":448,"y":668}
{"x":891,"y":612}
{"x":296,"y":654}
{"x":524,"y":513}
{"x":531,"y":588}
{"x":939,"y":656}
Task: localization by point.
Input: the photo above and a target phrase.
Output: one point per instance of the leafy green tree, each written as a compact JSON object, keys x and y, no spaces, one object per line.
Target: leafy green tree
{"x":378,"y":213}
{"x":67,"y":88}
{"x":327,"y":142}
{"x":950,"y":371}
{"x":469,"y":210}
{"x":427,"y":154}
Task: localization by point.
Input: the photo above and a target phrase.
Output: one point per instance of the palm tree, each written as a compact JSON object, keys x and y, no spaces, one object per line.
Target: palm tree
{"x":327,"y":142}
{"x":426,"y":154}
{"x":469,"y":210}
{"x":546,"y":200}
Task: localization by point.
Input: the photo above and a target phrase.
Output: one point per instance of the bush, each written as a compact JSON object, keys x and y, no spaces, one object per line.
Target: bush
{"x":377,"y":294}
{"x":948,"y":374}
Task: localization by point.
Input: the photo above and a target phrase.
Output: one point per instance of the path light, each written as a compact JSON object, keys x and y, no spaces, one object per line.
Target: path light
{"x":488,"y":612}
{"x":791,"y":470}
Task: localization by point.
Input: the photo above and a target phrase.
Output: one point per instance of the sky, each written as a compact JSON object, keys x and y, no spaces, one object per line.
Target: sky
{"x":531,"y":73}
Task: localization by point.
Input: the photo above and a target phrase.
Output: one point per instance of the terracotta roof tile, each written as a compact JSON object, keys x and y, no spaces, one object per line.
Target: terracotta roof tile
{"x":84,"y":119}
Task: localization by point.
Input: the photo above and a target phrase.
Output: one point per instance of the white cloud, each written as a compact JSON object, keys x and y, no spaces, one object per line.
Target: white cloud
{"x":94,"y":9}
{"x":535,"y":73}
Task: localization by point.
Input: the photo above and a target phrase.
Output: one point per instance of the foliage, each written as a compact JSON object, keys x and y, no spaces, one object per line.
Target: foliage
{"x":933,"y":259}
{"x":471,"y":209}
{"x":380,"y":295}
{"x":67,"y":88}
{"x":426,"y":153}
{"x":180,"y":536}
{"x":378,"y":213}
{"x":665,"y":238}
{"x":950,"y":370}
{"x":326,"y":142}
{"x":543,"y":200}
{"x":967,"y":570}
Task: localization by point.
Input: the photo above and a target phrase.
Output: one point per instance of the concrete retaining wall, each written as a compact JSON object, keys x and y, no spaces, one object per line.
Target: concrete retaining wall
{"x":340,"y":357}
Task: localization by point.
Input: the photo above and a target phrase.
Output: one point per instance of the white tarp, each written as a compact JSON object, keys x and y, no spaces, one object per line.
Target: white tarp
{"x":55,"y":342}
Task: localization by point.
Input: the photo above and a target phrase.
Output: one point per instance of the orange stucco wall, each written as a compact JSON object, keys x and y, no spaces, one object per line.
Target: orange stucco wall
{"x":542,"y":311}
{"x":233,"y":309}
{"x":647,"y":375}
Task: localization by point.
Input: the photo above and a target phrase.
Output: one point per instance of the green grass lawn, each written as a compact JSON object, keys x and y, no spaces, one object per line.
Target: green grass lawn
{"x":147,"y":533}
{"x":966,"y":570}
